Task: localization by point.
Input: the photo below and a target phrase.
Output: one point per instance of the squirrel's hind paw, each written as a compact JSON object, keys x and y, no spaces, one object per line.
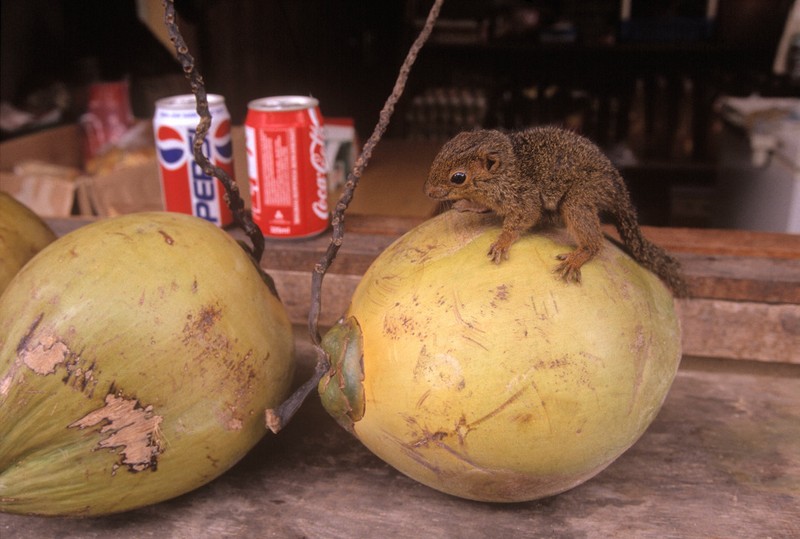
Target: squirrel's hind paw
{"x":568,"y":270}
{"x":498,"y":253}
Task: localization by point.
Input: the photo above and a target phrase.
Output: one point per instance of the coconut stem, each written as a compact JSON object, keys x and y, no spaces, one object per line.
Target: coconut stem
{"x":232,"y":196}
{"x":278,"y":418}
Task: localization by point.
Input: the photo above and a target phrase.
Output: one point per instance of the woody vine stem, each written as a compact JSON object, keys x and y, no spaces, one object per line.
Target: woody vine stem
{"x":277,"y":418}
{"x":232,"y":196}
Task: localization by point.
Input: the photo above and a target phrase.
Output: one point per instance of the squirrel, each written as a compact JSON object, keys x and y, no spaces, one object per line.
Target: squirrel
{"x":536,"y":175}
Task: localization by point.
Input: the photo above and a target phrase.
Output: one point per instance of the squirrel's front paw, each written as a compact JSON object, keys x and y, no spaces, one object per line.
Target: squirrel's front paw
{"x":498,"y":252}
{"x":569,"y":269}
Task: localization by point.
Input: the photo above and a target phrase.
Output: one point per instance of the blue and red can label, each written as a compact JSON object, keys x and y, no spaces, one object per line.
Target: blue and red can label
{"x":185,"y":187}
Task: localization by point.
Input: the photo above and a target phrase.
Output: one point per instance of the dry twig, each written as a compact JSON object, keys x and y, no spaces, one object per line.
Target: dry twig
{"x":232,"y":196}
{"x":277,"y":418}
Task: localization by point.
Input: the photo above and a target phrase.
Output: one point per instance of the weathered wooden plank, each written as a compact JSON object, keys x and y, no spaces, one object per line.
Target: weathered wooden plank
{"x":294,"y":289}
{"x":744,"y":243}
{"x":740,"y":278}
{"x":720,"y":460}
{"x":354,"y":257}
{"x":710,"y":276}
{"x":741,"y":330}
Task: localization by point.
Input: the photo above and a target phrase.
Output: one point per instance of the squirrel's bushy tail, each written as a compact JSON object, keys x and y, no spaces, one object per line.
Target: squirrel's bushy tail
{"x":647,"y":253}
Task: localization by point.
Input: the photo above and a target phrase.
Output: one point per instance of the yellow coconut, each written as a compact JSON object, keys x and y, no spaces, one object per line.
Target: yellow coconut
{"x":500,"y":382}
{"x":22,"y":235}
{"x":137,"y":356}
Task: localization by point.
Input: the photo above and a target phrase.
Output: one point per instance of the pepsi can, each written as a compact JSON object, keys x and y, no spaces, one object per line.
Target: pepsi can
{"x":285,"y":144}
{"x":185,"y":187}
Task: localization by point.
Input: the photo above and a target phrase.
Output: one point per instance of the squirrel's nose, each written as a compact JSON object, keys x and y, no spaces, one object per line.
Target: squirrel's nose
{"x":434,"y":191}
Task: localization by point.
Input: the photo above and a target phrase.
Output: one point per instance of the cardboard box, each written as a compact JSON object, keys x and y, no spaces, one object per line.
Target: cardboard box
{"x":124,"y":190}
{"x":44,"y":171}
{"x":48,"y":195}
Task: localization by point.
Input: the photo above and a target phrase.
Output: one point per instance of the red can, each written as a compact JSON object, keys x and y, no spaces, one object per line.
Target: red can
{"x":108,"y":116}
{"x":287,"y":166}
{"x":185,"y":187}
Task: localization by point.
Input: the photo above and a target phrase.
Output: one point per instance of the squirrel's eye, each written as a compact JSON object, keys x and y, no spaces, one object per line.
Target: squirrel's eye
{"x":458,"y":178}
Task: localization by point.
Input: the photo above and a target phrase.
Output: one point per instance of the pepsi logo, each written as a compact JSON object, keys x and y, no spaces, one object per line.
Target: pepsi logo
{"x":221,"y":139}
{"x":172,"y":148}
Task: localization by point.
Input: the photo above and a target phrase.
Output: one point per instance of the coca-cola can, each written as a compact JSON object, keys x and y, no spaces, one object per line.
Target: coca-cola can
{"x":286,"y":163}
{"x":108,"y":116}
{"x":185,"y":187}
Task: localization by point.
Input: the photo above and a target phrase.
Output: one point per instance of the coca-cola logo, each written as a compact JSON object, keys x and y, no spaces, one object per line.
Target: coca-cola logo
{"x":318,"y":162}
{"x":320,"y":209}
{"x":320,"y":206}
{"x":317,"y":150}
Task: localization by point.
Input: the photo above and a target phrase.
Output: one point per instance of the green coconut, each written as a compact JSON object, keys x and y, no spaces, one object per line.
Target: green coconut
{"x":500,"y":383}
{"x":22,"y":235}
{"x":137,"y":356}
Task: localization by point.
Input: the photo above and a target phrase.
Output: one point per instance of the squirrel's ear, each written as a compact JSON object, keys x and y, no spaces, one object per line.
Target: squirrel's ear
{"x":491,"y":161}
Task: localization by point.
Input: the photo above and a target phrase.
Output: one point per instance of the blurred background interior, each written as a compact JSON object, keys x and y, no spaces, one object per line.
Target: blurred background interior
{"x":655,"y":83}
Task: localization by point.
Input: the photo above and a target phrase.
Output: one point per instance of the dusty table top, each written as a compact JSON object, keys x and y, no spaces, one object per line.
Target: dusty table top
{"x":722,"y":459}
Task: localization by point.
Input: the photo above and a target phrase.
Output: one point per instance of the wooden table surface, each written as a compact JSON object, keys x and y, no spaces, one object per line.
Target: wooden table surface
{"x":722,"y":459}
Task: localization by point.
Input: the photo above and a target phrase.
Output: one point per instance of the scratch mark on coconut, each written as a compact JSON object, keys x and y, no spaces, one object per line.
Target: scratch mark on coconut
{"x":167,"y":238}
{"x":23,"y":342}
{"x":437,"y":439}
{"x":469,"y":325}
{"x":423,"y":398}
{"x":417,"y":255}
{"x":505,"y":404}
{"x":128,"y":426}
{"x":457,"y":312}
{"x":419,"y":459}
{"x":544,"y":406}
{"x":424,"y":438}
{"x":481,"y":345}
{"x":527,"y":380}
